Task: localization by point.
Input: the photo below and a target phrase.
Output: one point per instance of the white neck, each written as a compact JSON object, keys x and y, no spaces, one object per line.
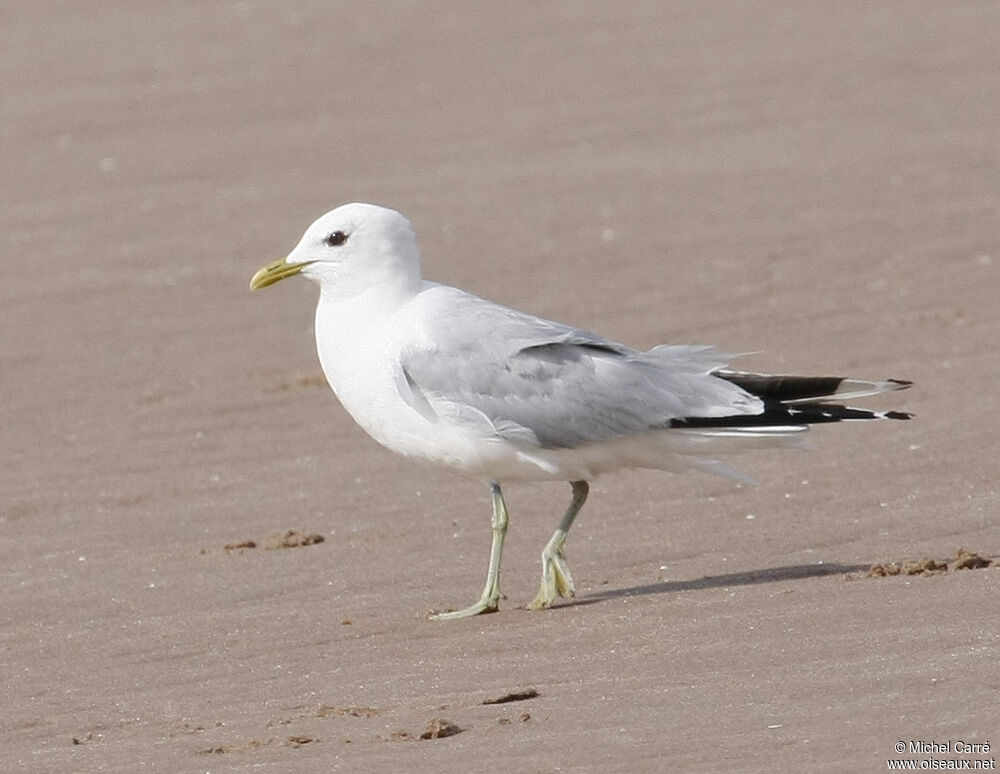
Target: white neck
{"x":354,"y":325}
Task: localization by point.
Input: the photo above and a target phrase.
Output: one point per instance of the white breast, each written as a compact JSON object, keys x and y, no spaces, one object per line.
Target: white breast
{"x":359,"y":350}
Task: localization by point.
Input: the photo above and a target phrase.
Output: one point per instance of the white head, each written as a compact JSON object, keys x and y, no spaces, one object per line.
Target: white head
{"x":351,"y":249}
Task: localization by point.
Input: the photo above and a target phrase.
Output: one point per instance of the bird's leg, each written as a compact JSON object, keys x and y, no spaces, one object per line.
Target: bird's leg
{"x":556,"y":580}
{"x":489,"y":601}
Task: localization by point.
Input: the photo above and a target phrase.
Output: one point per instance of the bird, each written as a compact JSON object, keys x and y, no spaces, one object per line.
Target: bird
{"x":435,"y":373}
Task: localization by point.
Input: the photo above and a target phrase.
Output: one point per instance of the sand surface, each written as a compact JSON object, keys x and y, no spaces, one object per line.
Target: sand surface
{"x":816,"y":183}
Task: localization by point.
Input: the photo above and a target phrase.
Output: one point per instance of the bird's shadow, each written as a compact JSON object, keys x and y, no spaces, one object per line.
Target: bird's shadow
{"x":746,"y":578}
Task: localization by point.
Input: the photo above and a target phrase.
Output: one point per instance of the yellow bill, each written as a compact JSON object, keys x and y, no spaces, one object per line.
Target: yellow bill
{"x":275,"y":271}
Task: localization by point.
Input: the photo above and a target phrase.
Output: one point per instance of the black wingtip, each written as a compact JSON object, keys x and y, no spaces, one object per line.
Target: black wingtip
{"x":901,"y":384}
{"x":778,"y":414}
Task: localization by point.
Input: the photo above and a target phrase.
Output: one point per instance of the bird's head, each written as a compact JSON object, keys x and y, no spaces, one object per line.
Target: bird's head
{"x":350,"y":249}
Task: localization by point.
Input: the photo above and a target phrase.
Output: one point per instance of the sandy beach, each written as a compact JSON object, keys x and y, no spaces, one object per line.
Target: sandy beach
{"x":813,"y":184}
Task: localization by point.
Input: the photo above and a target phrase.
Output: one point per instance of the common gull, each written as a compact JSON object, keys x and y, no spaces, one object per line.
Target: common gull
{"x":435,"y":373}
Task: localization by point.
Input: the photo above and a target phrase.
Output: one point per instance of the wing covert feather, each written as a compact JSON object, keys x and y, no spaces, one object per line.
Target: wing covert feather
{"x":556,"y":386}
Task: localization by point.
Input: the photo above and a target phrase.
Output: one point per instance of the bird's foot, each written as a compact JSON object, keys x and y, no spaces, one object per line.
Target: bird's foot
{"x":486,"y":604}
{"x":556,"y":581}
{"x":489,"y":602}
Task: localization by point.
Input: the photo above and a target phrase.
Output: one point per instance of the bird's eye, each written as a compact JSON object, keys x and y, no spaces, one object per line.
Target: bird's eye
{"x":336,"y":238}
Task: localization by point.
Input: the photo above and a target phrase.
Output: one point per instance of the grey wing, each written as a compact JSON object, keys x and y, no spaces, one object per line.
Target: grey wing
{"x":551,"y":386}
